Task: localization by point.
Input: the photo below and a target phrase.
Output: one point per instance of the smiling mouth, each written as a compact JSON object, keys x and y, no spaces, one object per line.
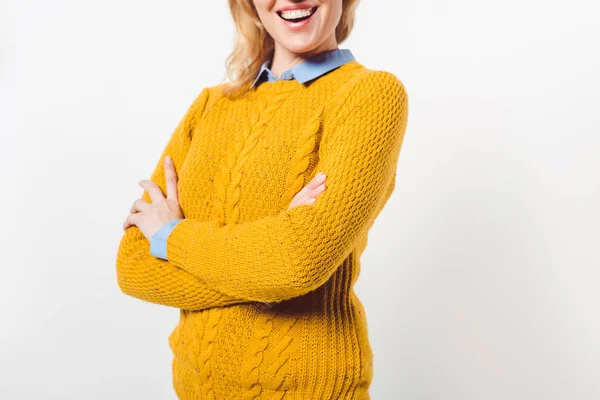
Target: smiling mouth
{"x":297,"y":15}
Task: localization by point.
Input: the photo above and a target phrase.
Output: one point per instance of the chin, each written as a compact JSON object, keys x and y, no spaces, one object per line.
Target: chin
{"x":299,"y":46}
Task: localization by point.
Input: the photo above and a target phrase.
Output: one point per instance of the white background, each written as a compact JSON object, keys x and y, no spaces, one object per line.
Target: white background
{"x":481,"y":275}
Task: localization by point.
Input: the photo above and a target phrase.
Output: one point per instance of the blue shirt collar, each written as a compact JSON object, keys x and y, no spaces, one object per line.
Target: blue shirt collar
{"x":309,"y":69}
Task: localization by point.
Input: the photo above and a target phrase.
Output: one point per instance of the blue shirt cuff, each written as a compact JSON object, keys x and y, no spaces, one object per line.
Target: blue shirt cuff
{"x":158,"y":243}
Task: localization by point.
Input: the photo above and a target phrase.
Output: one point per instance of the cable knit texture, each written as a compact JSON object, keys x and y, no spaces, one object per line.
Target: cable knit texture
{"x":240,"y":162}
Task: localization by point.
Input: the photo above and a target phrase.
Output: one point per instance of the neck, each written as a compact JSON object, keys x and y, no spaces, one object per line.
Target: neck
{"x":284,"y":59}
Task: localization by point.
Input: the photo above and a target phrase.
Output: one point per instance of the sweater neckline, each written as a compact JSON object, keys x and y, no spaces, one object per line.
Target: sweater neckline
{"x":278,"y":86}
{"x":281,"y":86}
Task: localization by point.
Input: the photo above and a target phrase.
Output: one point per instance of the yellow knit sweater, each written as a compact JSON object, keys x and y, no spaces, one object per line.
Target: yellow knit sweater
{"x":240,"y":162}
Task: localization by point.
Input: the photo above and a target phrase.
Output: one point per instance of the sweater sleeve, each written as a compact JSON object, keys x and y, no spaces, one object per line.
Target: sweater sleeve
{"x":294,"y":252}
{"x":139,"y":273}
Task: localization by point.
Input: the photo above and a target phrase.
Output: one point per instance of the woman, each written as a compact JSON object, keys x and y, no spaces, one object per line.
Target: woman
{"x":237,"y":228}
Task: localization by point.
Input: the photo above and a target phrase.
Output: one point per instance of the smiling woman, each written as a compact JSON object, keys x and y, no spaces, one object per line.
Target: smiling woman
{"x":258,"y":250}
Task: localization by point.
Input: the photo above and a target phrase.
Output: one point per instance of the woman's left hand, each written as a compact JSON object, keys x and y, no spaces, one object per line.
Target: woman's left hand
{"x":150,"y":217}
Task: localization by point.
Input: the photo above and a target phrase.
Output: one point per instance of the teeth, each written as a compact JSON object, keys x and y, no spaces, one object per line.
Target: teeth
{"x":293,"y":14}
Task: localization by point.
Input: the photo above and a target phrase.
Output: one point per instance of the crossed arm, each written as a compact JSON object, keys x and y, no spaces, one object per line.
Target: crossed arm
{"x":296,"y":251}
{"x":140,"y":274}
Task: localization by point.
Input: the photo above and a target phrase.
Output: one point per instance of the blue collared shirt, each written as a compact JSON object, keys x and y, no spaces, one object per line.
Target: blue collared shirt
{"x":306,"y":71}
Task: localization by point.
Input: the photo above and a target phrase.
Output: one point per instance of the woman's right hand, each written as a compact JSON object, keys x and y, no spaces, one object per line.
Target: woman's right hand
{"x":309,"y":193}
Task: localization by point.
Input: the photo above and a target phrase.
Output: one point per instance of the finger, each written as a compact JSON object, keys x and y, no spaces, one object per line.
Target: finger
{"x":319,"y":189}
{"x":171,"y":177}
{"x":153,"y":190}
{"x":317,"y":180}
{"x":130,"y":221}
{"x":312,"y":184}
{"x":138,"y":206}
{"x":295,"y":202}
{"x":307,"y":200}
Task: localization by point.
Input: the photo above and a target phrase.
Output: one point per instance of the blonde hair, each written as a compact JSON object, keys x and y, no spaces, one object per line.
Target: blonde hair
{"x":253,"y":44}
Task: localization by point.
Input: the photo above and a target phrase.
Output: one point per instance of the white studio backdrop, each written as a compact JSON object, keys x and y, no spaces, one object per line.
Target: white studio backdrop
{"x":480,"y":280}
